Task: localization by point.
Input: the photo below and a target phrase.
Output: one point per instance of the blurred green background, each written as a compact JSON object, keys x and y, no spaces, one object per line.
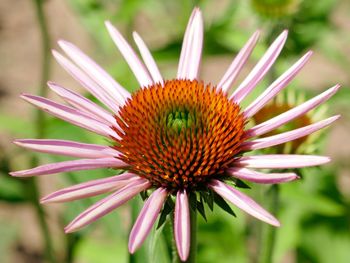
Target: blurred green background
{"x":314,"y":211}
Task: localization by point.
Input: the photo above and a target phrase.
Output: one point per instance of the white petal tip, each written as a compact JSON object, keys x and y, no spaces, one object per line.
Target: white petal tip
{"x":327,"y":159}
{"x":110,"y":27}
{"x":24,"y":95}
{"x":275,"y":223}
{"x":44,"y":200}
{"x":335,"y":88}
{"x":68,"y":230}
{"x":19,"y":174}
{"x":54,"y":52}
{"x":53,"y":86}
{"x":183,"y":257}
{"x":256,"y":34}
{"x":135,"y":34}
{"x":334,"y":118}
{"x":131,"y":248}
{"x":309,"y":53}
{"x":17,"y":142}
{"x":51,"y":83}
{"x":62,"y":43}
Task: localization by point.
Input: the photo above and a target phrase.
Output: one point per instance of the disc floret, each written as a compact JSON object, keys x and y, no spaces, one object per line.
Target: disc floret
{"x":180,"y":135}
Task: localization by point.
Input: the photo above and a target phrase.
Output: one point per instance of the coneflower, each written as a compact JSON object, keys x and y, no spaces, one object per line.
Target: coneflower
{"x":174,"y":138}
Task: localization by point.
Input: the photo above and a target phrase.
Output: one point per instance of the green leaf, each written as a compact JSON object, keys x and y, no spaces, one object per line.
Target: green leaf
{"x":200,"y":208}
{"x":193,"y":201}
{"x":241,"y":184}
{"x":158,"y":250}
{"x":167,"y":209}
{"x":223,"y":204}
{"x":208,"y":198}
{"x":144,"y":195}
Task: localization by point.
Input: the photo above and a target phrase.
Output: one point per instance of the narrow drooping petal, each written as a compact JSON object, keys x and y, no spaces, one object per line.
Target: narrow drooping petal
{"x":261,"y":178}
{"x":83,"y":104}
{"x":108,"y":204}
{"x":191,"y":47}
{"x":84,"y":79}
{"x":71,"y":115}
{"x":148,"y":59}
{"x":291,"y":114}
{"x":287,"y":136}
{"x":260,"y":70}
{"x":130,"y":56}
{"x":146,"y":219}
{"x":237,"y":64}
{"x":182,"y":225}
{"x":91,"y":188}
{"x":99,"y":75}
{"x":243,"y":202}
{"x":67,"y":148}
{"x":276,"y":86}
{"x":69,"y":166}
{"x":281,"y":161}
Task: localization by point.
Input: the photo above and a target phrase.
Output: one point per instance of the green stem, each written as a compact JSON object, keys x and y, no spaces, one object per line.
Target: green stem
{"x":174,"y":254}
{"x":32,"y":192}
{"x":193,"y":246}
{"x":269,"y":232}
{"x":46,"y":57}
{"x":134,"y":213}
{"x":31,"y":184}
{"x":71,"y":246}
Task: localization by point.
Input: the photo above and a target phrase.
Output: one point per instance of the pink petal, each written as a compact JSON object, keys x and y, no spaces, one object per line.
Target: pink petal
{"x":91,"y":188}
{"x":130,"y":56}
{"x":238,"y":63}
{"x":276,"y":86}
{"x":281,"y":161}
{"x":148,"y":59}
{"x":260,"y":70}
{"x":243,"y":202}
{"x":182,"y":225}
{"x":291,"y":114}
{"x":108,"y":204}
{"x":146,"y":219}
{"x":191,"y":47}
{"x":261,"y":178}
{"x":68,"y":166}
{"x":70,"y":115}
{"x":83,"y":104}
{"x":99,"y":92}
{"x":94,"y":71}
{"x":67,"y":148}
{"x":287,"y":136}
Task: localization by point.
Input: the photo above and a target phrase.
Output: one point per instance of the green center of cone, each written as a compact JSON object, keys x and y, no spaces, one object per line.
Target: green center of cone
{"x":180,"y":119}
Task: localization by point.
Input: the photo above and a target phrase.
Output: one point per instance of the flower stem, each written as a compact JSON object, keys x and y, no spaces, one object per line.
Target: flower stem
{"x":133,"y":215}
{"x":269,"y":232}
{"x":31,"y":184}
{"x":32,"y":191}
{"x":193,"y":246}
{"x":174,"y":254}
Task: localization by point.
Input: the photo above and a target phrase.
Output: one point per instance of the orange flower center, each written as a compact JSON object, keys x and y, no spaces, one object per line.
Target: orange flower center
{"x":179,"y":135}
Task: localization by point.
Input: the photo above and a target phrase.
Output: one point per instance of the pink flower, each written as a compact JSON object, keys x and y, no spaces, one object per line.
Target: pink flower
{"x":175,"y":137}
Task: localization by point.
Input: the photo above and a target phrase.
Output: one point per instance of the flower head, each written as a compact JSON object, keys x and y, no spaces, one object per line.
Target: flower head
{"x":173,"y":137}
